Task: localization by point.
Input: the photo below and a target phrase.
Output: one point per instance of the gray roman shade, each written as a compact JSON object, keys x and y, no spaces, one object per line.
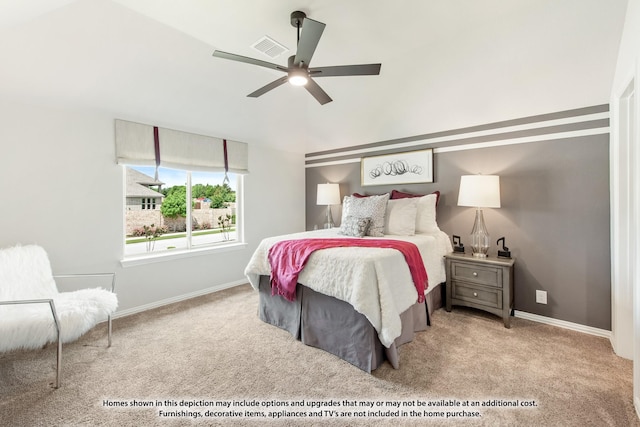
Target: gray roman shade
{"x":135,"y":145}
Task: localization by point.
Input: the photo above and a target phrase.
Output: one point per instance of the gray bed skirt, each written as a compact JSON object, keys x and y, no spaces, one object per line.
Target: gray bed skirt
{"x":333,"y":325}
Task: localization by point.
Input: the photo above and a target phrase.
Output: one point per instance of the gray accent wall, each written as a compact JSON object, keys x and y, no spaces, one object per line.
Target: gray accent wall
{"x":554,"y":177}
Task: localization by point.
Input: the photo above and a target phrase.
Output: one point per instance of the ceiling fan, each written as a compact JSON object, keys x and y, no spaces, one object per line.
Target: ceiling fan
{"x":298,"y":71}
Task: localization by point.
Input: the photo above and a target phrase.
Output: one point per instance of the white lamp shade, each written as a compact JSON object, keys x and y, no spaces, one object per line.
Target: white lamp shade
{"x":328,"y":194}
{"x":479,"y":191}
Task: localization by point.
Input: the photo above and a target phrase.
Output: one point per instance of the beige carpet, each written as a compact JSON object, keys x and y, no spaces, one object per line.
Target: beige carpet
{"x":214,"y":349}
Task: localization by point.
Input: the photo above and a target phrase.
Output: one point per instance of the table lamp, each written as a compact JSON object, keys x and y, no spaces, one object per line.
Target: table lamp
{"x":479,"y":191}
{"x":328,"y":194}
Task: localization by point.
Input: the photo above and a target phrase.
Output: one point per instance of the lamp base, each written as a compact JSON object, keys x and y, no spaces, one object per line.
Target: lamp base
{"x":329,"y":223}
{"x":479,"y":236}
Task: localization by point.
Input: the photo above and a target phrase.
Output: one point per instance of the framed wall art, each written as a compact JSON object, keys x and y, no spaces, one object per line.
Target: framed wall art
{"x":409,"y":167}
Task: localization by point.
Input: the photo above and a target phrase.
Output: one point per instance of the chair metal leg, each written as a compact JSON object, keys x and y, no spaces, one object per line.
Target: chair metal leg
{"x":113,"y":289}
{"x":59,"y":344}
{"x":58,"y":362}
{"x":109,"y":331}
{"x":56,"y":322}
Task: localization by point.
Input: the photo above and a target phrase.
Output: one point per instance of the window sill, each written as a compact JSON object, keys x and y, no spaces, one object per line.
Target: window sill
{"x":171,"y":255}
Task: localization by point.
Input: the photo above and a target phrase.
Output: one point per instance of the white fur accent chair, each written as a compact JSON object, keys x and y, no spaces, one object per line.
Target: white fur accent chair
{"x":33,"y":313}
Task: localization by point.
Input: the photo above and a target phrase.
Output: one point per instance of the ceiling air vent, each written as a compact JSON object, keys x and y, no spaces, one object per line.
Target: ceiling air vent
{"x":269,"y":47}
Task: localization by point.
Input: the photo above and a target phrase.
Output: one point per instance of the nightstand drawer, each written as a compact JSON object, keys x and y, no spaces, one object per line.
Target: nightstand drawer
{"x":477,"y":294}
{"x":482,"y":274}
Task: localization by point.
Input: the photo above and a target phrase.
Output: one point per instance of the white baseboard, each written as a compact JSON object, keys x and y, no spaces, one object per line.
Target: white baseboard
{"x":178,"y":298}
{"x":521,"y":314}
{"x":563,"y":324}
{"x":636,"y":400}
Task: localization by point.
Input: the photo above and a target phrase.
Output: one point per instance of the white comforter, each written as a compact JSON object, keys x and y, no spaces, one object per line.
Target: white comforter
{"x":375,"y":281}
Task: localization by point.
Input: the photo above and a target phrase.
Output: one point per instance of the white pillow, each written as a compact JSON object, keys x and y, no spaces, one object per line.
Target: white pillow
{"x":400,"y":218}
{"x":426,"y":214}
{"x":373,"y":207}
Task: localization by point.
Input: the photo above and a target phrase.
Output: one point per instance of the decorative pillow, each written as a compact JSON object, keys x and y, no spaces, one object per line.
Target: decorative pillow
{"x":373,"y":207}
{"x":354,"y":227}
{"x":426,"y":214}
{"x":400,"y":218}
{"x":346,"y":201}
{"x":395,"y":194}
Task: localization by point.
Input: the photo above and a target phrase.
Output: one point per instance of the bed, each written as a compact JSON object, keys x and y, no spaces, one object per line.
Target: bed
{"x":359,"y":304}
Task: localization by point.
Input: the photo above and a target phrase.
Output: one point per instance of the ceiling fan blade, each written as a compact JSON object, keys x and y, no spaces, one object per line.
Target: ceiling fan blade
{"x":346,"y":70}
{"x":234,"y":57}
{"x":317,"y":92}
{"x":274,"y":84}
{"x":309,"y":38}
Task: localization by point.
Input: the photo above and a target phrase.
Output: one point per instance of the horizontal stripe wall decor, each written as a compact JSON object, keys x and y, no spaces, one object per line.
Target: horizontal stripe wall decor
{"x":564,"y":124}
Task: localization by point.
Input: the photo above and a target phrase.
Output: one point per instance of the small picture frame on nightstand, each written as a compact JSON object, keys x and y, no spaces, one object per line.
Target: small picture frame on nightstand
{"x":458,"y":246}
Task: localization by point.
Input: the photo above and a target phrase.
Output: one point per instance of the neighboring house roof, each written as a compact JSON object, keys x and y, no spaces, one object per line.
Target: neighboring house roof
{"x":137,"y":190}
{"x":136,"y":176}
{"x":138,"y":184}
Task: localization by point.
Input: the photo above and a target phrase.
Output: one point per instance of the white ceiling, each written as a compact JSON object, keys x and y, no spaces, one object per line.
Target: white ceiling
{"x":445,"y":63}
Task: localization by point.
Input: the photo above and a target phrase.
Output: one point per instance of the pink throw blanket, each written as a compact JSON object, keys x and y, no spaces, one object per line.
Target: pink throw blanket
{"x":288,"y":258}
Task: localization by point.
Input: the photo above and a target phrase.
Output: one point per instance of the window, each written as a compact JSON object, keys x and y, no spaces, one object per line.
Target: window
{"x":167,"y":221}
{"x":149,"y":203}
{"x":182,"y":190}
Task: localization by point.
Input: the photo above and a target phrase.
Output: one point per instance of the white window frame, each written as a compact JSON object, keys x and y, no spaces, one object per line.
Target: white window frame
{"x":190,"y":251}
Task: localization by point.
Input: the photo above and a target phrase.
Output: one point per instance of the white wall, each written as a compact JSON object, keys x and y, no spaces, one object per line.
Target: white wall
{"x":60,"y":188}
{"x":625,"y":201}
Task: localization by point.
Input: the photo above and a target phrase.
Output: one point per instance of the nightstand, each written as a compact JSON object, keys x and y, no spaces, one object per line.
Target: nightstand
{"x":482,"y":283}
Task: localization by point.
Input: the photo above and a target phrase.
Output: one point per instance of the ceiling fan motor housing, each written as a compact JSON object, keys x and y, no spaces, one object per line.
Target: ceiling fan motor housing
{"x":291,"y":64}
{"x":297,"y":17}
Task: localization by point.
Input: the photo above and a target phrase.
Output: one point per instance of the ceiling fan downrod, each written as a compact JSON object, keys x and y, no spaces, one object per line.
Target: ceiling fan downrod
{"x":296,"y":21}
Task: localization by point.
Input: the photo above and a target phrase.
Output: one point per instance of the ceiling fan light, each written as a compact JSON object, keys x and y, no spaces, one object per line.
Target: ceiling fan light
{"x":298,"y":78}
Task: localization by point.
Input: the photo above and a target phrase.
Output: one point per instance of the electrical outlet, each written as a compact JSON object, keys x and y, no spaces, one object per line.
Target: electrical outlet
{"x":541,"y":297}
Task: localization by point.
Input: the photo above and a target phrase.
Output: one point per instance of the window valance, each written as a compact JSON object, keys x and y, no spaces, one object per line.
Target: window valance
{"x":136,"y":144}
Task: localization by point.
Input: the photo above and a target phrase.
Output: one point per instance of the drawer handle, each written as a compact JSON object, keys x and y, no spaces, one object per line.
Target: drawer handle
{"x":475,"y":294}
{"x":475,"y":274}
